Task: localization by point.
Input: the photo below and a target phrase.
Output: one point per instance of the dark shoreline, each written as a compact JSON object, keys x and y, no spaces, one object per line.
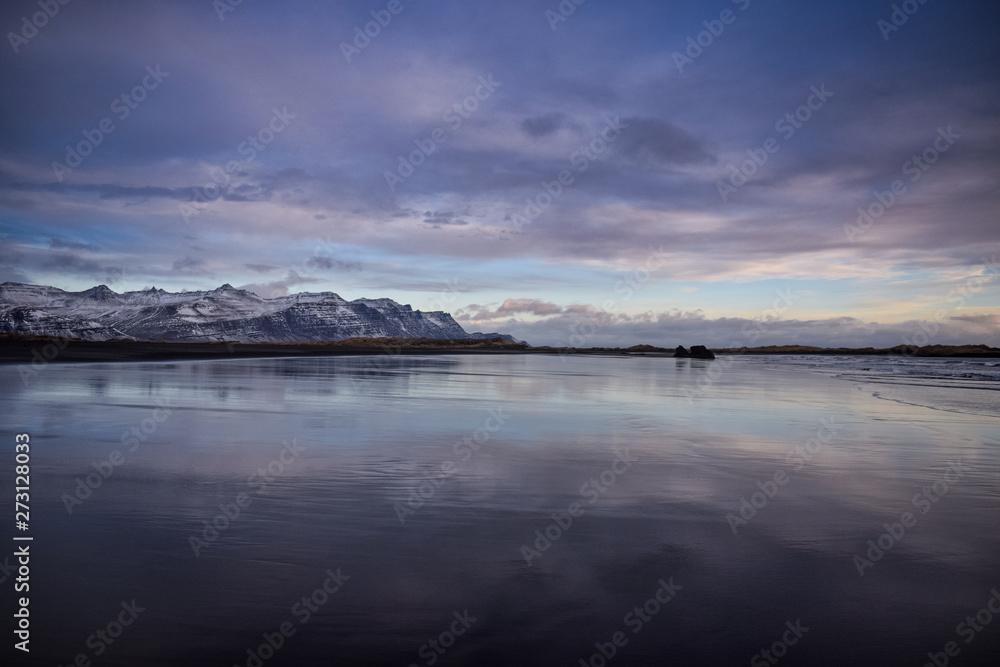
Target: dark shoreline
{"x":43,"y":349}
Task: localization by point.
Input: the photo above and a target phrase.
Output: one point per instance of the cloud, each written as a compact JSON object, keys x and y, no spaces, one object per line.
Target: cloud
{"x":323,"y":176}
{"x":651,"y":142}
{"x":260,"y":268}
{"x":532,"y":306}
{"x":206,"y":192}
{"x":189,"y":264}
{"x":281,"y":287}
{"x":329,"y":263}
{"x":436,"y":219}
{"x":597,"y":328}
{"x":60,"y":244}
{"x":476,"y":313}
{"x":17,"y":203}
{"x":109,"y":191}
{"x":72,"y":264}
{"x":65,"y":260}
{"x":544,"y":125}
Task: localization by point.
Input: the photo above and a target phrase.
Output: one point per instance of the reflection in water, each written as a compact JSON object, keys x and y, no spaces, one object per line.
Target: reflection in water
{"x":494,"y":488}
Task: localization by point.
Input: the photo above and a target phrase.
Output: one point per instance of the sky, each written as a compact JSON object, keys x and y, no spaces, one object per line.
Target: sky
{"x":586,"y":173}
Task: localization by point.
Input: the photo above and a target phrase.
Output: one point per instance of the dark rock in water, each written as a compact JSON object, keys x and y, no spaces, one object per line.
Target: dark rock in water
{"x":697,"y":352}
{"x":701,"y":352}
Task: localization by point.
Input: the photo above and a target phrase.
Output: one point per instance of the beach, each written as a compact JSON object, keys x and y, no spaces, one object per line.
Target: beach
{"x":510,"y":509}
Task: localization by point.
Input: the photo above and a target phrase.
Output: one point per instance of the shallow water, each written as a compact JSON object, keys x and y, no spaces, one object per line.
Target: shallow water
{"x":421,"y":482}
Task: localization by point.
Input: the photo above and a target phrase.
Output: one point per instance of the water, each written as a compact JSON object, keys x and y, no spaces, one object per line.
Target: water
{"x":497,"y":445}
{"x":952,"y":384}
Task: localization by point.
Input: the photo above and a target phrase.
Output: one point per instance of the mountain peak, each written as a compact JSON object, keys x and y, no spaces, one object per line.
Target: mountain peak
{"x":231,"y":292}
{"x":100,"y":293}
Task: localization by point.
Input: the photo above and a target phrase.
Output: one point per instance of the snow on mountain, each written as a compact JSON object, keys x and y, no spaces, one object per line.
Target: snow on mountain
{"x":222,"y":314}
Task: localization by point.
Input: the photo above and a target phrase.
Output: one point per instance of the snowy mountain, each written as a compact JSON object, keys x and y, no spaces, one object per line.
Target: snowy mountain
{"x":223,"y":314}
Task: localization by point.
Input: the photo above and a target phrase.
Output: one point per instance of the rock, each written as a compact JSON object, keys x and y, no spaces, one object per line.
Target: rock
{"x":701,"y":352}
{"x":697,"y":352}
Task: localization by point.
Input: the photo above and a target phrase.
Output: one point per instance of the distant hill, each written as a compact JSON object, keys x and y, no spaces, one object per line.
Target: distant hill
{"x":905,"y":350}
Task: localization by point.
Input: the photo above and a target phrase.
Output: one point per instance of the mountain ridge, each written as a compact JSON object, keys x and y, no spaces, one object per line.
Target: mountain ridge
{"x":223,"y":314}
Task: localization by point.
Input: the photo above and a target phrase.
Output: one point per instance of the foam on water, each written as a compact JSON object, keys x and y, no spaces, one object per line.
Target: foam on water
{"x":954,"y":385}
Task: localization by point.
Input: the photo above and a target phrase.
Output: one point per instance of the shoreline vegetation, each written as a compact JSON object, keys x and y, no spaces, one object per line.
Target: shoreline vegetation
{"x":16,"y":348}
